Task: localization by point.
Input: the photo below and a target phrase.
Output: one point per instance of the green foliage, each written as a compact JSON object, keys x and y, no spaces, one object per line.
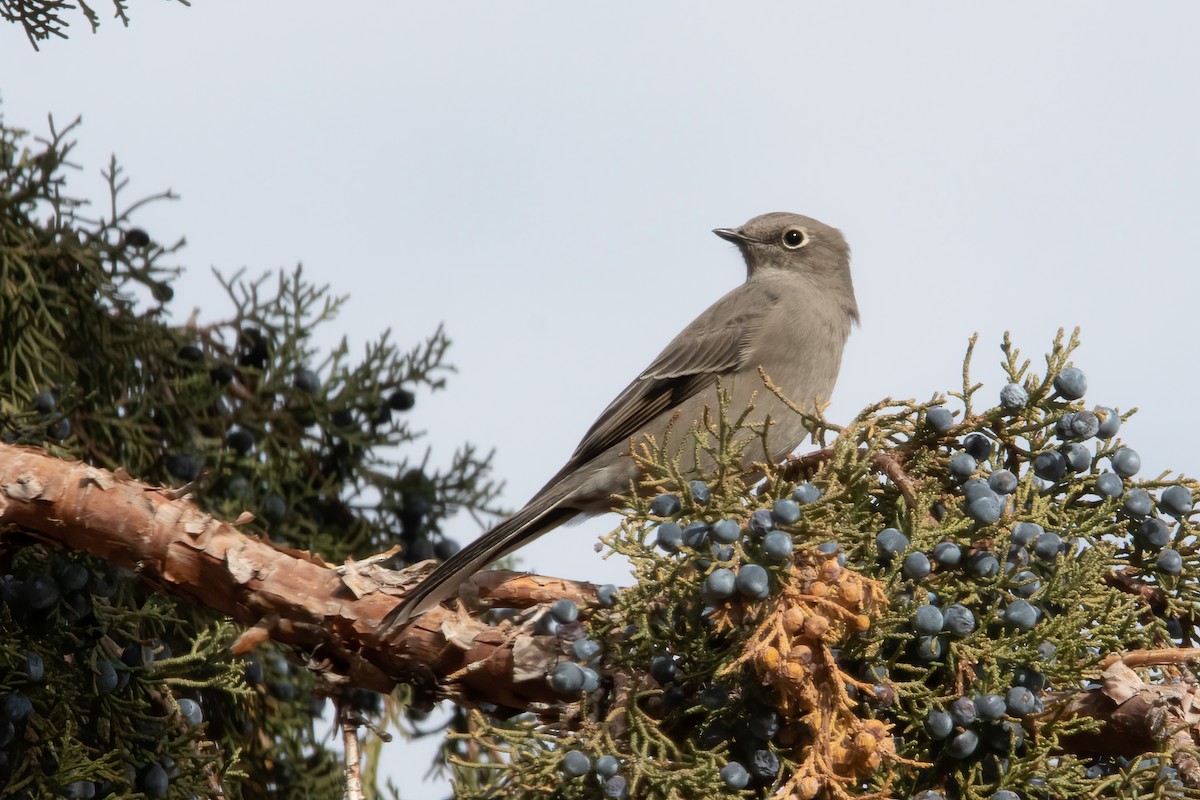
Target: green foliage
{"x":244,"y":414}
{"x":828,"y":674}
{"x":42,"y":19}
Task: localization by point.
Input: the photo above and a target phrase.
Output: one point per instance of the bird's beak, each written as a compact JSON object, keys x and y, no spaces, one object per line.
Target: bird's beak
{"x":732,"y":235}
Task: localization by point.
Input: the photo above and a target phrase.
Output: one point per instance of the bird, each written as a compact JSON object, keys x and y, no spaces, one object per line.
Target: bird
{"x":790,"y":319}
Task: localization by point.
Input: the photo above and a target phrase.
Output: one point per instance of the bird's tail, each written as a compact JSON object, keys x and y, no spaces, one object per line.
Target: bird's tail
{"x":539,"y":516}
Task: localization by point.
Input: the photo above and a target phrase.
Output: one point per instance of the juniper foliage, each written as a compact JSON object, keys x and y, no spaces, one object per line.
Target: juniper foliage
{"x":829,"y":687}
{"x":105,"y":687}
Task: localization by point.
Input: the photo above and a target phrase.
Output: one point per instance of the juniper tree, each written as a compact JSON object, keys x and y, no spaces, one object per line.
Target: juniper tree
{"x":976,"y":596}
{"x":107,"y":686}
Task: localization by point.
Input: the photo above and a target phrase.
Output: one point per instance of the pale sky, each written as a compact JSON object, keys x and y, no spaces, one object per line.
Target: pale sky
{"x":543,"y":178}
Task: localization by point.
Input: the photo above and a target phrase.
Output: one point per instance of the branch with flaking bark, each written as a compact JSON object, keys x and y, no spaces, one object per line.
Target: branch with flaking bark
{"x":1138,"y":717}
{"x":330,"y":612}
{"x":327,"y":612}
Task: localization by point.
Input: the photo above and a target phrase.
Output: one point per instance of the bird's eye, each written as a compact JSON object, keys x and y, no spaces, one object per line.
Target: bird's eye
{"x":794,"y":238}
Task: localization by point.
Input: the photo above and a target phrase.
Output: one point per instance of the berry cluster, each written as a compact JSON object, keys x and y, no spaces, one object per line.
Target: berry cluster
{"x":892,"y":612}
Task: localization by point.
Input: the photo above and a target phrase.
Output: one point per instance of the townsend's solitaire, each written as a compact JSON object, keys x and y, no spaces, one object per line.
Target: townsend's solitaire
{"x":790,"y":318}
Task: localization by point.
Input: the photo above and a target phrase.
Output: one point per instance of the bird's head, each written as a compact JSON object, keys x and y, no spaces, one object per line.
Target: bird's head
{"x":795,"y":243}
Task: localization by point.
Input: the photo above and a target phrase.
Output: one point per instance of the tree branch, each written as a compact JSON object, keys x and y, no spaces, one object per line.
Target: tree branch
{"x":328,"y":612}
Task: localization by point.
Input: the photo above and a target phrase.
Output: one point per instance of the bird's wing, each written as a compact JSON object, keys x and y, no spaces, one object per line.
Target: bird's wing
{"x":716,"y":343}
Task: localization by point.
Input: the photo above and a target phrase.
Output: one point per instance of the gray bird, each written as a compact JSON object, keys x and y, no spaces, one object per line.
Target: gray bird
{"x":791,"y":318}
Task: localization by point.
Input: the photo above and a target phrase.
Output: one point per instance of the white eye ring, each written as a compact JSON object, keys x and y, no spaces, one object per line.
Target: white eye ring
{"x":795,"y":238}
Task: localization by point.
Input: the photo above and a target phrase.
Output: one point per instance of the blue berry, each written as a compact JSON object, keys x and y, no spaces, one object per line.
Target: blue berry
{"x":1126,"y":462}
{"x":1071,"y":383}
{"x":662,"y":669}
{"x":545,"y":625}
{"x":606,"y":766}
{"x":1004,"y":794}
{"x":753,"y":582}
{"x":695,"y":534}
{"x":1047,"y":546}
{"x":585,"y":649}
{"x":76,"y":790}
{"x":977,"y":487}
{"x":240,"y":440}
{"x":1083,"y":424}
{"x":764,"y":765}
{"x":566,"y":678}
{"x":670,"y":536}
{"x":305,"y":380}
{"x":715,"y":697}
{"x":107,"y":678}
{"x":915,"y":566}
{"x":576,"y":763}
{"x":591,"y":680}
{"x":985,"y":510}
{"x":606,"y":595}
{"x":777,"y":545}
{"x":734,"y":775}
{"x":1169,"y":562}
{"x":191,"y":711}
{"x":962,"y":745}
{"x":806,"y":493}
{"x":891,"y":542}
{"x":963,"y":712}
{"x":1002,"y":482}
{"x":1021,"y":615}
{"x":930,"y":648}
{"x":927,"y":621}
{"x":1154,"y":534}
{"x":564,"y":610}
{"x":1077,"y":457}
{"x":152,"y":781}
{"x":1020,"y":701}
{"x":715,"y":734}
{"x":1030,"y":678}
{"x":59,"y":429}
{"x":15,"y":707}
{"x":722,"y":552}
{"x":938,"y":724}
{"x":43,"y":402}
{"x":1025,"y":532}
{"x":764,"y":723}
{"x":700,"y":492}
{"x":761,"y":521}
{"x":616,"y":788}
{"x":977,"y":446}
{"x":1049,"y":465}
{"x":948,"y":554}
{"x":983,"y":565}
{"x":719,"y":584}
{"x":989,"y":706}
{"x":1137,"y":503}
{"x":1110,"y":422}
{"x":725,"y":531}
{"x":1110,"y":485}
{"x":1176,"y":500}
{"x":1013,"y":396}
{"x":399,"y":400}
{"x":274,"y":508}
{"x":785,"y":512}
{"x":34,"y":667}
{"x":962,"y":465}
{"x":958,"y":620}
{"x":1026,"y":584}
{"x":665,"y":505}
{"x":940,"y":419}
